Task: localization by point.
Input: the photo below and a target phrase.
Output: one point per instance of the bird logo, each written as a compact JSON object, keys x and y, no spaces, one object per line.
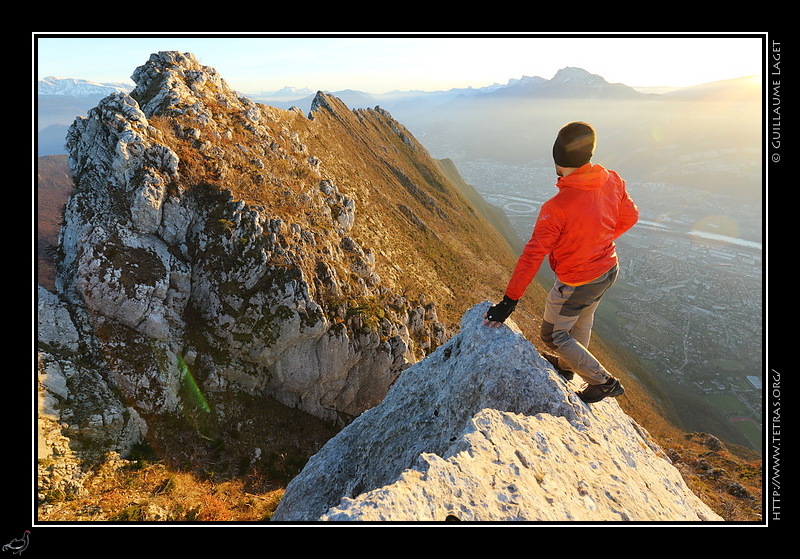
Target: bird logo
{"x":18,"y":545}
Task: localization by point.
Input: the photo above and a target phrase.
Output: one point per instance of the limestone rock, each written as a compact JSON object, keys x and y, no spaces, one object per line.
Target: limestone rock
{"x":55,"y":326}
{"x":206,"y":259}
{"x":170,"y":263}
{"x":484,"y":429}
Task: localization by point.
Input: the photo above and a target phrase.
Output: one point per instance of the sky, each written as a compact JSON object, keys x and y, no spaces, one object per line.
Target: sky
{"x":383,"y":63}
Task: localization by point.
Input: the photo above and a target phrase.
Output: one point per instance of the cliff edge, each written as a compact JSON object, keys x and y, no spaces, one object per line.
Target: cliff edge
{"x":484,"y":429}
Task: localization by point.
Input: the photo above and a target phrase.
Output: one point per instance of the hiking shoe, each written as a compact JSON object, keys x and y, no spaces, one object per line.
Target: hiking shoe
{"x":596,"y":392}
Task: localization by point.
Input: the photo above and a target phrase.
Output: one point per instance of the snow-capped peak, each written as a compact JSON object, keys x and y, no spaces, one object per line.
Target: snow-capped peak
{"x":52,"y":85}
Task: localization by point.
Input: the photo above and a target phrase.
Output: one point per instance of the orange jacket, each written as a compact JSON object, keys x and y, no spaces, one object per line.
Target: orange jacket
{"x":577,"y":228}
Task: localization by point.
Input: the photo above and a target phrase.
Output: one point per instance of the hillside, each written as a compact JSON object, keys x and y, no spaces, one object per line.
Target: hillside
{"x":237,"y":282}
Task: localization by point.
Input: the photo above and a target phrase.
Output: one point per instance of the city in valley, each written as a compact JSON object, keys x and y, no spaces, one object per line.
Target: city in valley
{"x":688,"y":302}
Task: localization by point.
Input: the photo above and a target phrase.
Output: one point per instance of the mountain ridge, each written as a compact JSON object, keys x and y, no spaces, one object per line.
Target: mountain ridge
{"x":214,"y":252}
{"x":201,"y":199}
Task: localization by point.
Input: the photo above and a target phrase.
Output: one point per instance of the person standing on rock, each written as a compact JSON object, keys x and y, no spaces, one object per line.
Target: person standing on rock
{"x":576,"y":229}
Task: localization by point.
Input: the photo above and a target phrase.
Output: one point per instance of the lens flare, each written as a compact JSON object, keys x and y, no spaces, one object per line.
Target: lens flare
{"x":190,"y":387}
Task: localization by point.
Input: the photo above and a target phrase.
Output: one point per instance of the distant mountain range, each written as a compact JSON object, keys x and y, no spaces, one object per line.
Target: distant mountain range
{"x":567,"y":81}
{"x":75,"y":87}
{"x":60,"y":100}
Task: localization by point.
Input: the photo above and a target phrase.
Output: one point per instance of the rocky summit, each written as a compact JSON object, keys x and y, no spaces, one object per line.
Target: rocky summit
{"x":482,"y":430}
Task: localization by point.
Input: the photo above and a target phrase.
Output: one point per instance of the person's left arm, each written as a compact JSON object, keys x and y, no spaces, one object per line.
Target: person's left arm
{"x":627,"y":215}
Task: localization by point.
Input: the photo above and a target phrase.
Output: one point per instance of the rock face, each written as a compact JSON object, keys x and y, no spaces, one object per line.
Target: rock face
{"x":187,"y":271}
{"x":80,"y":415}
{"x":213,"y":247}
{"x":483,"y":429}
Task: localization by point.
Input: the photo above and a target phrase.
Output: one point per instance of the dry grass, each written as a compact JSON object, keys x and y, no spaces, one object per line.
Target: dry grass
{"x":135,"y":491}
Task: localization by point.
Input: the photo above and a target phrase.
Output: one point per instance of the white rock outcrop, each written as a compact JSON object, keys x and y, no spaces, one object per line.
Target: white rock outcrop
{"x":484,"y":429}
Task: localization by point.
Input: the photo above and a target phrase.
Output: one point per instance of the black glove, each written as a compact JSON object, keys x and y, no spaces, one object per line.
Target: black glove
{"x":500,"y":311}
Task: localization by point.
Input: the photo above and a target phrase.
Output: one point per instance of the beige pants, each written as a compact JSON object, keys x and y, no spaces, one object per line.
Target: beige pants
{"x":567,"y":325}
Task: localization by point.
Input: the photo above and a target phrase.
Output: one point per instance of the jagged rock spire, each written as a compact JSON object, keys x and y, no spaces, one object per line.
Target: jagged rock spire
{"x":172,"y":80}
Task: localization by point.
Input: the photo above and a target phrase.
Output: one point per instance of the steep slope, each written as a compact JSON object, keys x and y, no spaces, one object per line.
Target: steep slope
{"x":493,"y":214}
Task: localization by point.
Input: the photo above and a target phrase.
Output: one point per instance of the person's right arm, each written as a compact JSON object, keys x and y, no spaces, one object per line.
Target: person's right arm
{"x":545,"y":234}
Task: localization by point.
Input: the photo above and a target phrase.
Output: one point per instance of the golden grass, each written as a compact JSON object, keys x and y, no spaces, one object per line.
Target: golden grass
{"x":127,"y":491}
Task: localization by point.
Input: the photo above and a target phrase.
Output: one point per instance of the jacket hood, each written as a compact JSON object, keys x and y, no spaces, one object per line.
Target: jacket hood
{"x":587,"y":177}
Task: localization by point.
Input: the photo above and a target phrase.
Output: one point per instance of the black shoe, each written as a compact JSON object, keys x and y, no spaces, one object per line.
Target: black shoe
{"x":596,"y":392}
{"x":553,"y":359}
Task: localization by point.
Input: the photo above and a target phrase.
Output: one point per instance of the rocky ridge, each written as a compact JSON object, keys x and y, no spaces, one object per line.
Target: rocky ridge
{"x":483,"y":430}
{"x":212,"y":253}
{"x":221,"y":262}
